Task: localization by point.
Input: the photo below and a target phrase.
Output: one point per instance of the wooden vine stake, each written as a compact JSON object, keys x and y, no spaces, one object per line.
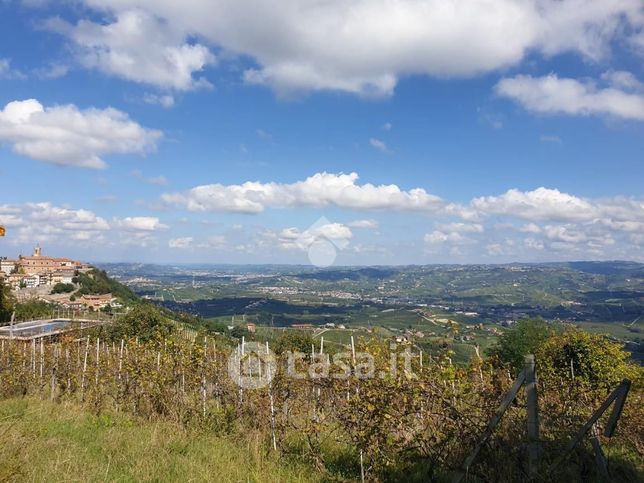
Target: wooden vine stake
{"x":528,"y":377}
{"x":618,"y":396}
{"x":269,"y":376}
{"x":84,"y":370}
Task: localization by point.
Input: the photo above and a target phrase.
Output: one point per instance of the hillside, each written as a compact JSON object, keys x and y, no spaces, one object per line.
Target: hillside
{"x":97,"y":282}
{"x":46,"y":441}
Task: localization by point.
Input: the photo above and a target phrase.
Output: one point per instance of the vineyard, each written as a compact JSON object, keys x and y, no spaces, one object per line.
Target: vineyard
{"x":415,"y":423}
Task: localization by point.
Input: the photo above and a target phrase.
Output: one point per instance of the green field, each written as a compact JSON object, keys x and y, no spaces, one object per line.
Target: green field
{"x":43,"y":441}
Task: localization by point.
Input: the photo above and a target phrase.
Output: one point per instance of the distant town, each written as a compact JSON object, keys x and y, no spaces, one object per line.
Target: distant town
{"x":51,"y":280}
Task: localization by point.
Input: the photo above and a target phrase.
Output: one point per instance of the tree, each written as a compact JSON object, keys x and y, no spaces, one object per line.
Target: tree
{"x":32,"y":310}
{"x":591,"y":358}
{"x":215,"y":326}
{"x":238,"y":332}
{"x":524,"y":338}
{"x":5,"y":306}
{"x":293,"y":341}
{"x":145,"y":322}
{"x":97,"y":282}
{"x":63,"y":288}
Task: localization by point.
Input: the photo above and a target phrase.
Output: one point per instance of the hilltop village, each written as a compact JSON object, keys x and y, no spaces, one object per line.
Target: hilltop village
{"x":53,"y":280}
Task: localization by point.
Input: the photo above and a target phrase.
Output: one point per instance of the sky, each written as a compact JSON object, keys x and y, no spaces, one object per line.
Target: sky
{"x":369,"y":132}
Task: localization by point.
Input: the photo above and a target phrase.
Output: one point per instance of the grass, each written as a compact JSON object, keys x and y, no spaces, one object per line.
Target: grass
{"x":617,"y":330}
{"x":43,"y":441}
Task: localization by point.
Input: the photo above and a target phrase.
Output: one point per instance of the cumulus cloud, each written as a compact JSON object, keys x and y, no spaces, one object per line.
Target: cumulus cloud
{"x":461,"y":227}
{"x":623,"y":97}
{"x":8,"y":72}
{"x":165,"y":100}
{"x":153,"y":180}
{"x":365,"y":224}
{"x":140,"y":223}
{"x":319,"y":190}
{"x":438,"y":236}
{"x":139,"y":47}
{"x":512,"y":225}
{"x":379,"y":145}
{"x":67,"y":136}
{"x":550,"y":138}
{"x":337,"y":233}
{"x":183,"y":242}
{"x":264,"y":135}
{"x":45,"y":222}
{"x":539,"y":204}
{"x":362,"y":46}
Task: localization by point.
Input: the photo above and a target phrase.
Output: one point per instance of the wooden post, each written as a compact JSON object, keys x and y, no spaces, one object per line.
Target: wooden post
{"x":84,"y":370}
{"x":533,"y":413}
{"x":203,"y":376}
{"x":54,"y":368}
{"x":270,"y":396}
{"x":600,"y":457}
{"x":33,"y":357}
{"x":618,"y":394}
{"x":98,"y":358}
{"x":121,"y":359}
{"x":505,"y":403}
{"x":42,"y":359}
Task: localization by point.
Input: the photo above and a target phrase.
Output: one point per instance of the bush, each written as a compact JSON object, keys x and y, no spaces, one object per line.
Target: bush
{"x":97,"y":282}
{"x":63,"y":288}
{"x":5,"y":303}
{"x":293,"y":341}
{"x":32,"y":310}
{"x":522,"y":339}
{"x":145,"y":322}
{"x":592,"y":358}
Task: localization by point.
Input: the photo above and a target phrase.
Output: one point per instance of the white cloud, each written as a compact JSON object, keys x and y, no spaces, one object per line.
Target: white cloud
{"x":319,"y":190}
{"x":530,"y":228}
{"x":366,"y":224}
{"x":337,"y":233}
{"x":495,"y":249}
{"x":183,"y":242}
{"x":153,"y":180}
{"x":438,"y":237}
{"x":362,"y":46}
{"x":379,"y":145}
{"x":540,"y":204}
{"x":166,"y":101}
{"x":554,"y":95}
{"x":263,"y":135}
{"x":66,"y":218}
{"x":53,"y":71}
{"x":622,"y":80}
{"x":550,"y":138}
{"x":533,"y":243}
{"x":44,"y":222}
{"x":461,"y":227}
{"x":387,"y":126}
{"x":7,"y":72}
{"x":67,"y":136}
{"x":140,"y":223}
{"x":139,"y":47}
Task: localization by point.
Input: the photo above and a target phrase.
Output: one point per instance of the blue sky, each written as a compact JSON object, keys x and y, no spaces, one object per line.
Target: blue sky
{"x":399,"y":132}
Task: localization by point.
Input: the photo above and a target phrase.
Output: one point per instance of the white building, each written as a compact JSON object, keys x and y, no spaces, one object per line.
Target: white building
{"x":7,"y":266}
